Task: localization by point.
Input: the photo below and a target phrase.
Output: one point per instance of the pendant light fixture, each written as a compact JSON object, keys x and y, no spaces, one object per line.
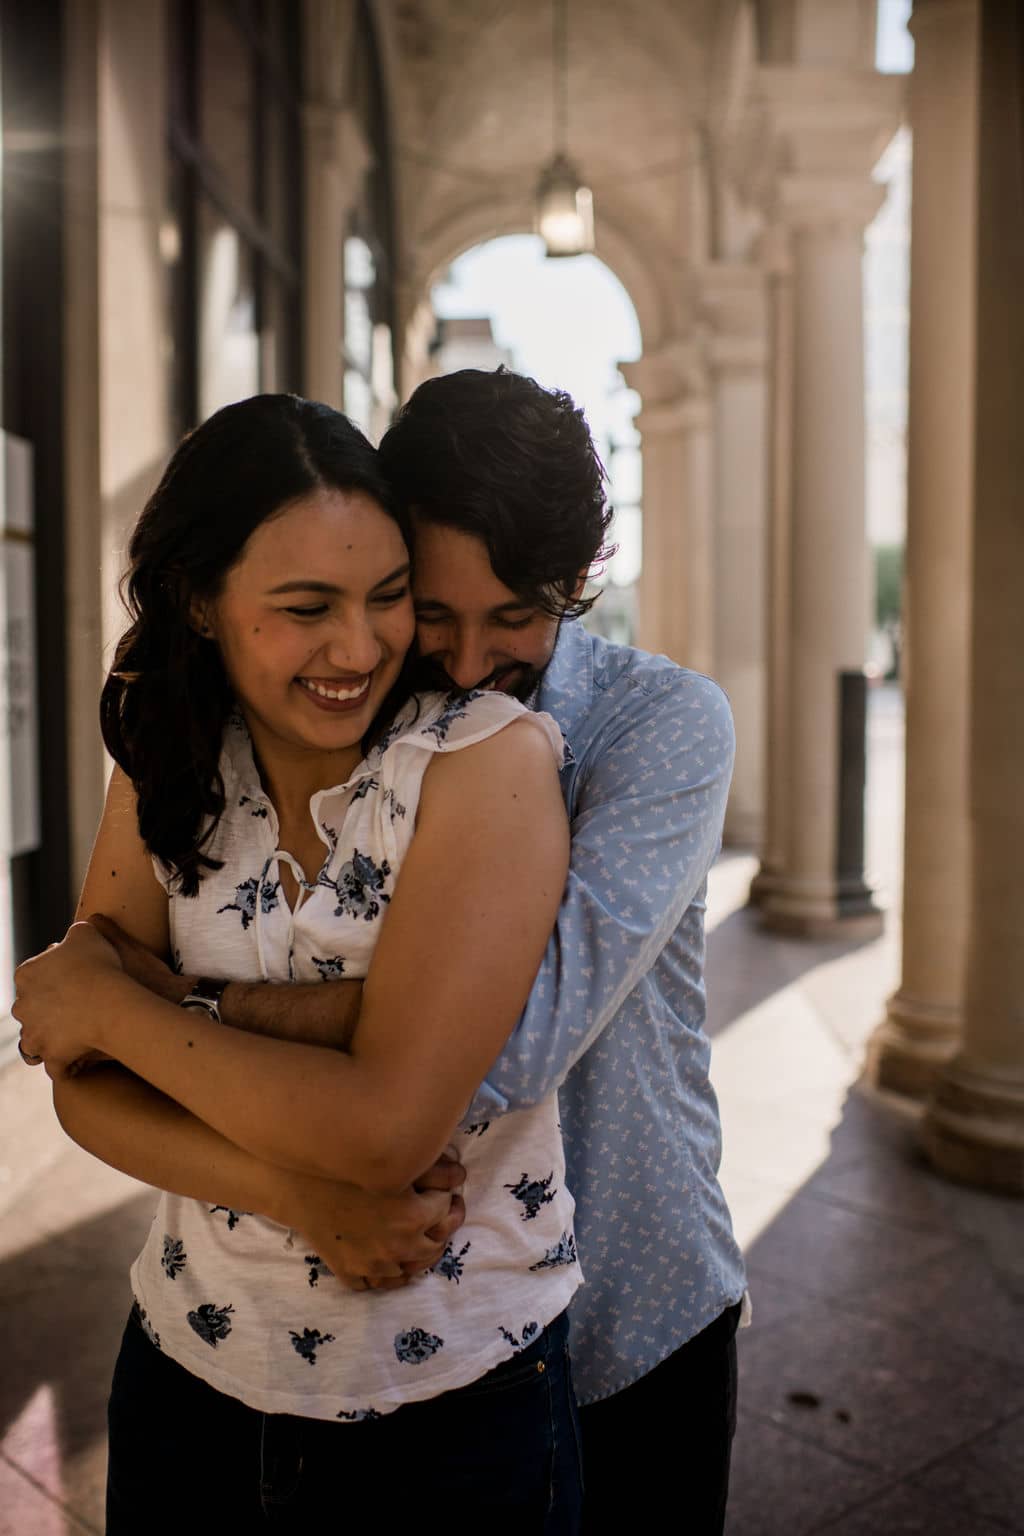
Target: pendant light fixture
{"x":565,"y":208}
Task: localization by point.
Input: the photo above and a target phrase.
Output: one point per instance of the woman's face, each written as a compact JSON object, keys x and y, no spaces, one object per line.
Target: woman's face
{"x":314,"y":620}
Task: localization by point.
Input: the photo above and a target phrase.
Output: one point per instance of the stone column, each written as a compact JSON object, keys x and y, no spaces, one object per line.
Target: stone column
{"x":335,"y":159}
{"x":733,"y":300}
{"x":675,"y":614}
{"x":974,"y":1126}
{"x":828,"y":564}
{"x":922,"y":1026}
{"x":778,"y":265}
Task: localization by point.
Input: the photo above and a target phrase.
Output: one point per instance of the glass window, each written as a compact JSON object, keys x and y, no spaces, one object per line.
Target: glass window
{"x":226,"y":100}
{"x":229,"y":350}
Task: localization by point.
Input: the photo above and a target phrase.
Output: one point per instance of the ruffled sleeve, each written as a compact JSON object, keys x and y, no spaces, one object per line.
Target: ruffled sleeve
{"x":447,"y":722}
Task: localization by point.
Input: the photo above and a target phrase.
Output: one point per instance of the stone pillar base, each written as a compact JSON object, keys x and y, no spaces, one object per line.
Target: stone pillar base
{"x":973,"y":1128}
{"x":912,"y":1044}
{"x":763,"y":884}
{"x":743,"y":829}
{"x":805,"y":909}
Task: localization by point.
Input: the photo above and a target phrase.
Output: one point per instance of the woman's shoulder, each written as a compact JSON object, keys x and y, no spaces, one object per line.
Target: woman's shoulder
{"x":449,"y":722}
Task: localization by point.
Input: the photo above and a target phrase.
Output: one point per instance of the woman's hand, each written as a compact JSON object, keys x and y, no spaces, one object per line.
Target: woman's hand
{"x":52,"y":1002}
{"x":372,"y":1240}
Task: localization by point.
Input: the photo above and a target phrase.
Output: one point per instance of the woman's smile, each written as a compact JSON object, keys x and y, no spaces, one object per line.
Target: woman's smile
{"x":335,"y":694}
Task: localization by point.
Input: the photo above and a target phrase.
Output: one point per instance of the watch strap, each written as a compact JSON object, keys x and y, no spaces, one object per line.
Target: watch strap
{"x":206,"y":993}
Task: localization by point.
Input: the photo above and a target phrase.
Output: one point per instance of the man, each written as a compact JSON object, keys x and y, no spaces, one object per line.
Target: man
{"x":507,"y":497}
{"x":508,"y":503}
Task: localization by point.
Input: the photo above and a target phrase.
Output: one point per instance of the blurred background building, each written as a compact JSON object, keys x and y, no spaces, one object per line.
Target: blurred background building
{"x":201,"y":199}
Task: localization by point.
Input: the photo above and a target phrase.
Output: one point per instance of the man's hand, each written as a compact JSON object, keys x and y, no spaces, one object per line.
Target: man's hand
{"x":378,"y":1240}
{"x":141,"y":964}
{"x":52,"y":1001}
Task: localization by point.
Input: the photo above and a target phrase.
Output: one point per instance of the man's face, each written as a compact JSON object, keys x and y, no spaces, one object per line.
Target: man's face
{"x":473,"y":631}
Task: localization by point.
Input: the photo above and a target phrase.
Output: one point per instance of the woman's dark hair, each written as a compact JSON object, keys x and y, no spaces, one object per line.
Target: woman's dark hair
{"x":495,"y":455}
{"x":167,"y":698}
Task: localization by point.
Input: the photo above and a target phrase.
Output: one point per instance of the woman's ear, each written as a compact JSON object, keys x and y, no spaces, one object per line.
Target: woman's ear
{"x":200,"y":617}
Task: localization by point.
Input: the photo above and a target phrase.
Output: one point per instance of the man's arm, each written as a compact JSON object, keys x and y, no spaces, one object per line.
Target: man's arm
{"x":309,"y":1013}
{"x":647,"y":828}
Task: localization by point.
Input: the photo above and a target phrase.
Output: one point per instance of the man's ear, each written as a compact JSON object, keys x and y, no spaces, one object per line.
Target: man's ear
{"x":577,"y":591}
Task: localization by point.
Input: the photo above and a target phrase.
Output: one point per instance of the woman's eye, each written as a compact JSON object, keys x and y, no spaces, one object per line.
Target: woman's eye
{"x":392,"y":597}
{"x":312,"y":611}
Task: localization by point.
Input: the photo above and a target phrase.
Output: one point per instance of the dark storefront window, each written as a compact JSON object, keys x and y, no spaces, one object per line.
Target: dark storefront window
{"x":235,"y":213}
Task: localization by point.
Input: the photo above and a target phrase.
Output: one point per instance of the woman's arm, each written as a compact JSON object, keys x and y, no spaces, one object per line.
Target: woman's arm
{"x":131,"y":1126}
{"x":124,"y":1122}
{"x":475,"y":901}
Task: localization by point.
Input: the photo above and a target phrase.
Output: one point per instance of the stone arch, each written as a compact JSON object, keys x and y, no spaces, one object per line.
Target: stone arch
{"x":646,"y":287}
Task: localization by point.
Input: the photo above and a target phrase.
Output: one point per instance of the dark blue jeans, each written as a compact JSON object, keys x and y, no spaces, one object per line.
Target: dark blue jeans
{"x":656,"y":1454}
{"x":501,"y":1455}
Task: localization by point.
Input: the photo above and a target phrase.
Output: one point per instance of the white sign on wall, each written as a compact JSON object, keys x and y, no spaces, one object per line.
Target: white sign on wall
{"x":19,"y":730}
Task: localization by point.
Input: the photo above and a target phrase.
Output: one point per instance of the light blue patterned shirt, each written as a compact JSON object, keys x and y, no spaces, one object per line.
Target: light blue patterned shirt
{"x":615,"y":1018}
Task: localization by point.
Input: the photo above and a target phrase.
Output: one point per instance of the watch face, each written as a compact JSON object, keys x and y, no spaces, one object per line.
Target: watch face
{"x":204,"y":1004}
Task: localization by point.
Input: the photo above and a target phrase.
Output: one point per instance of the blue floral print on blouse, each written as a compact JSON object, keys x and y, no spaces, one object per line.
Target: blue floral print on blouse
{"x":563,"y":1252}
{"x":416,"y":1345}
{"x":528,"y":1333}
{"x":246,"y":896}
{"x":454,"y":709}
{"x":359,"y":886}
{"x":307,"y":1343}
{"x":174,"y":1258}
{"x":330,"y":970}
{"x":211,"y":1323}
{"x":532,"y":1193}
{"x":451,"y":1264}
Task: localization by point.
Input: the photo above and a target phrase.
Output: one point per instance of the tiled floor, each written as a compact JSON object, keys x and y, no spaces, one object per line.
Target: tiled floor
{"x":882,"y":1382}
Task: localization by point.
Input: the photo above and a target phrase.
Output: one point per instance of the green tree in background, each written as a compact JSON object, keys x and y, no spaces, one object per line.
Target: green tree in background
{"x":889,"y":599}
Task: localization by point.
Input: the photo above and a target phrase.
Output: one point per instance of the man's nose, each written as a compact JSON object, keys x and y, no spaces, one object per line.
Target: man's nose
{"x":468,"y":662}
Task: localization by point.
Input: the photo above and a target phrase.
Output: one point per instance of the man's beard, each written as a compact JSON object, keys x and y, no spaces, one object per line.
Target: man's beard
{"x":519,"y":680}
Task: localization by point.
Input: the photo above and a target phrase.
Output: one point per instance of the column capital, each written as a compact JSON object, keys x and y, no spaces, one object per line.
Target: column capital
{"x":674,"y":418}
{"x":672,"y":375}
{"x":732,"y":300}
{"x":829,"y":121}
{"x":335,"y":140}
{"x":844,"y":204}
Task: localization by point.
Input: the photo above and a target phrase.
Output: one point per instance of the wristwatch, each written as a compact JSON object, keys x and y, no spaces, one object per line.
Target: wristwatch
{"x":206,"y":994}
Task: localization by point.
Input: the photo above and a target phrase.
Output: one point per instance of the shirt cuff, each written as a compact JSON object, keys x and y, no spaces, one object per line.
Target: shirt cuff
{"x":487,"y":1104}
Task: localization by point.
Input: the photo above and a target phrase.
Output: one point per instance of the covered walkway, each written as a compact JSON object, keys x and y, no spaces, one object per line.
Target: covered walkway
{"x":882,"y":1380}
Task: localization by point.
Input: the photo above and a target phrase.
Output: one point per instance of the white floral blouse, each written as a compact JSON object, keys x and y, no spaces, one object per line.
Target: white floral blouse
{"x":240,"y":1301}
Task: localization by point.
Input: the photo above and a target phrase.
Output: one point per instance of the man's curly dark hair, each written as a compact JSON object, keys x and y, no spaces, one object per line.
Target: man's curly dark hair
{"x":498,"y":456}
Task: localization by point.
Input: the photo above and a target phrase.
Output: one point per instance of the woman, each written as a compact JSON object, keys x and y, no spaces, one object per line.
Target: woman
{"x":270,"y":594}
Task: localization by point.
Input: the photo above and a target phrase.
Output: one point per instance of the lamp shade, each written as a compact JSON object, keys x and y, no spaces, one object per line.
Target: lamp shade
{"x":565,"y":210}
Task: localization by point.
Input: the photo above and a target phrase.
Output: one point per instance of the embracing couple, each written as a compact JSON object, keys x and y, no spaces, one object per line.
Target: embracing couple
{"x":398,"y":892}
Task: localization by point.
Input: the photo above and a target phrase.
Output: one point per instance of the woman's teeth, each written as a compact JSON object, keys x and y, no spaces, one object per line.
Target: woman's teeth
{"x":335,"y":693}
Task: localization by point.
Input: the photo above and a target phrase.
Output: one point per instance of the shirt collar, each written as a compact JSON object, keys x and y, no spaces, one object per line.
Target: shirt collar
{"x":567,"y":687}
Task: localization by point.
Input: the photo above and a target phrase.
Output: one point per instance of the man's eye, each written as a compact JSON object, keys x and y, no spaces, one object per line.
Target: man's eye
{"x":392,"y":597}
{"x":311,"y":611}
{"x":516,"y":623}
{"x":428,"y":616}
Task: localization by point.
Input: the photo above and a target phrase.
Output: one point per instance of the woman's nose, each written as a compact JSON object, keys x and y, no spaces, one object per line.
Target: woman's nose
{"x":354,"y":647}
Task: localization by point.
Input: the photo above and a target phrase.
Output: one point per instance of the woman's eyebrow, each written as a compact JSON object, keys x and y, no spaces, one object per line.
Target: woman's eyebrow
{"x":327,"y":586}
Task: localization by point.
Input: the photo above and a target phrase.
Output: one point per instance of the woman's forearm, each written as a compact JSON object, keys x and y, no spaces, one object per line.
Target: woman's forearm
{"x":126,"y":1123}
{"x":307,"y":1109}
{"x":133,"y":1127}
